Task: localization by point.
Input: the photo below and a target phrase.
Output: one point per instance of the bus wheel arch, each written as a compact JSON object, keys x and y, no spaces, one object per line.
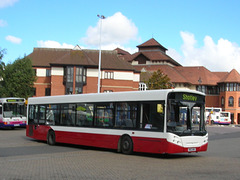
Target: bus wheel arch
{"x":51,"y":138}
{"x":125,"y":144}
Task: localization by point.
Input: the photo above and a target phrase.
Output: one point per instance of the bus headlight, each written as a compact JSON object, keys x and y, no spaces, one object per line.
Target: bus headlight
{"x":205,"y":139}
{"x":176,"y":140}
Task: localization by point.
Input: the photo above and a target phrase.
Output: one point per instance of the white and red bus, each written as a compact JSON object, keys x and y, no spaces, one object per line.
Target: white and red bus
{"x":225,"y":118}
{"x":213,"y":114}
{"x":148,"y":121}
{"x":12,"y":112}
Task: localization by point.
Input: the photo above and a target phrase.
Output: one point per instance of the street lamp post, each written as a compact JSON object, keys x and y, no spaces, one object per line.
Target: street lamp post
{"x":99,"y":63}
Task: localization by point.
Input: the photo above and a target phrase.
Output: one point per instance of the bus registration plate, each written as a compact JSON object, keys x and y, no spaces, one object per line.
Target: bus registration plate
{"x":16,"y":125}
{"x":191,"y":149}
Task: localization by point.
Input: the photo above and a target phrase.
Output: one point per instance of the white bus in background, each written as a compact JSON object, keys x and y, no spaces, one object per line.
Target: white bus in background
{"x":12,"y":112}
{"x":213,"y":114}
{"x":225,"y":118}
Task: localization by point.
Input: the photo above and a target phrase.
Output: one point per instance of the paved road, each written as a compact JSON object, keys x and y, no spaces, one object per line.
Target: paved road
{"x":23,"y":158}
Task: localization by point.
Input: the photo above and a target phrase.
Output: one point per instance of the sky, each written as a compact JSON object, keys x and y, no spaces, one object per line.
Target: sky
{"x":195,"y":32}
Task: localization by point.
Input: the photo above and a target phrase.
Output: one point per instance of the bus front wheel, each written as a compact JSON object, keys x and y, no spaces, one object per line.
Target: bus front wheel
{"x":126,"y":145}
{"x":51,"y":138}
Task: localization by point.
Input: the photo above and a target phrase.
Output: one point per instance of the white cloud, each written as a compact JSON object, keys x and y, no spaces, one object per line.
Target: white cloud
{"x":13,"y":39}
{"x":220,"y":56}
{"x":174,"y":54}
{"x":3,"y":23}
{"x":54,"y":44}
{"x":6,"y":3}
{"x":117,"y":29}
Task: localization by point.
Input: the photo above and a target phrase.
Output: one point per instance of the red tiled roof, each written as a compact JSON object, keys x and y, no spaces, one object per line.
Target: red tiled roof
{"x":220,"y":74}
{"x":233,"y":76}
{"x":198,"y":75}
{"x":44,"y":57}
{"x":121,"y":51}
{"x":170,"y":71}
{"x":155,"y":56}
{"x":123,"y":54}
{"x":151,"y":42}
{"x":192,"y":75}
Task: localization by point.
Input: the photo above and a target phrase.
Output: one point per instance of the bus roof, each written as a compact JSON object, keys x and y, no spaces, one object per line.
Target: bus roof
{"x":150,"y":95}
{"x":2,"y":100}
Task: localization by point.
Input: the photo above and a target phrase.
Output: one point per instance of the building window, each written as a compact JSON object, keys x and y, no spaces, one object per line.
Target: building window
{"x":230,"y":101}
{"x":69,"y":74}
{"x":108,"y":75}
{"x":142,"y":87}
{"x":80,"y":75}
{"x":78,"y":90}
{"x":47,"y":91}
{"x":222,"y":101}
{"x":231,"y":87}
{"x":69,"y":90}
{"x":48,"y":72}
{"x":68,"y":79}
{"x":201,"y":88}
{"x":34,"y":92}
{"x":227,"y":87}
{"x":80,"y":79}
{"x":212,"y":90}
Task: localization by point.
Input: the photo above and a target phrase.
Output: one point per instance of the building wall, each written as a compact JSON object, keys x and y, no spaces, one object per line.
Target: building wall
{"x":235,"y":109}
{"x":92,"y":85}
{"x":122,"y":81}
{"x":43,"y":81}
{"x":118,"y":85}
{"x":57,"y":86}
{"x":212,"y":101}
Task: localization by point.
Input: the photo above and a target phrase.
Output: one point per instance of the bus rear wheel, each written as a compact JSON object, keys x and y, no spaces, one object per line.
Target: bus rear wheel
{"x":126,"y":145}
{"x":51,"y":138}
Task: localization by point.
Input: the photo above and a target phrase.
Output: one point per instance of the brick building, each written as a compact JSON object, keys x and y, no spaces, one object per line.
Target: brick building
{"x":75,"y":71}
{"x":222,"y":89}
{"x":72,"y":71}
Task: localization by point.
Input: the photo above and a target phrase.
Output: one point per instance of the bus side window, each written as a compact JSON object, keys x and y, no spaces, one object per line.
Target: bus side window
{"x":153,"y":118}
{"x":104,"y":115}
{"x":0,"y":109}
{"x":126,"y":115}
{"x":32,"y":114}
{"x":84,"y":115}
{"x":68,"y":113}
{"x":42,"y":113}
{"x":52,"y":114}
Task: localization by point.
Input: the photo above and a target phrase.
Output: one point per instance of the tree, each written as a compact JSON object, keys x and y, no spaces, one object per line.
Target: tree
{"x":158,"y":80}
{"x":2,"y":52}
{"x":18,"y":79}
{"x":2,"y":64}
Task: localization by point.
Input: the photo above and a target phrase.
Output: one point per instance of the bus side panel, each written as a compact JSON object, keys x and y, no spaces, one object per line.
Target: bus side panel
{"x":88,"y":139}
{"x":38,"y":132}
{"x":157,"y":145}
{"x":173,"y":148}
{"x":149,"y":145}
